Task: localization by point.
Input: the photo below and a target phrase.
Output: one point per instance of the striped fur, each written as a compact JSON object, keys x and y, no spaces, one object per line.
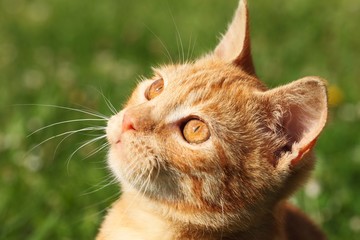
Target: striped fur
{"x":232,"y":186}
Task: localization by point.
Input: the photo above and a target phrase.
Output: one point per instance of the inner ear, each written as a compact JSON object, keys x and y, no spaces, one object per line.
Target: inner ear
{"x":300,"y":108}
{"x":234,"y":46}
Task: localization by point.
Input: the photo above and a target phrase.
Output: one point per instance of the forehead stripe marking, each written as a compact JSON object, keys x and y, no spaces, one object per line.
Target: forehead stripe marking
{"x":181,"y":112}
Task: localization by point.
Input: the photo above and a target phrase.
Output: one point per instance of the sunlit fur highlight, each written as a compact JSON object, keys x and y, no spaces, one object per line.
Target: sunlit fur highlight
{"x":235,"y":184}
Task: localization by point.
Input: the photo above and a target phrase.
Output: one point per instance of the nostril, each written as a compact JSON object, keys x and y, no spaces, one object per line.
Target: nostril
{"x":127,"y":124}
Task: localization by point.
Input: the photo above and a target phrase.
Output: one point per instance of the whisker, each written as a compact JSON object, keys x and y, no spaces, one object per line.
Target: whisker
{"x":66,"y":133}
{"x":188,"y":49}
{"x":97,"y":150}
{"x":64,"y":122}
{"x":108,"y":103}
{"x":89,"y":110}
{"x":70,"y":109}
{"x":193,"y":48}
{"x":108,"y":199}
{"x":158,"y":166}
{"x":178,"y":38}
{"x":148,"y":180}
{"x":83,"y":145}
{"x":129,"y":167}
{"x":62,"y":140}
{"x":139,"y":177}
{"x":144,"y":185}
{"x":110,"y":180}
{"x":162,"y":44}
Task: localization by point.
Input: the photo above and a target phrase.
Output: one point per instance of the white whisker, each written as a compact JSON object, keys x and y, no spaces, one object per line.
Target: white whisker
{"x":191,"y":47}
{"x":67,"y":133}
{"x":97,"y":150}
{"x":158,"y":166}
{"x":110,"y":180}
{"x":110,"y":198}
{"x":162,"y":44}
{"x":70,"y":109}
{"x":83,"y":145}
{"x":89,"y":110}
{"x":62,"y":140}
{"x":137,"y":193}
{"x":178,"y":38}
{"x":128,"y":168}
{"x":108,"y":103}
{"x":64,"y":122}
{"x":188,"y":49}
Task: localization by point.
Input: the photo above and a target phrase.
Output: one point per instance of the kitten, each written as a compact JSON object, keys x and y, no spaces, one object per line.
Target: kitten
{"x":204,"y":150}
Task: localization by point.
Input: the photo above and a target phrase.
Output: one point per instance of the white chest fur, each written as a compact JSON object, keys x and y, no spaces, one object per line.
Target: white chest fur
{"x":128,"y":220}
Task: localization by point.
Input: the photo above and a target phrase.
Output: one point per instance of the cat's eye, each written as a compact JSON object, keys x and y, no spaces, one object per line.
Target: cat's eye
{"x":155,"y":89}
{"x":196,"y":131}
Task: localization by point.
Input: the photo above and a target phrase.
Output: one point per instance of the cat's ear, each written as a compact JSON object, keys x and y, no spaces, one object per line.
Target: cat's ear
{"x":298,"y":109}
{"x":235,"y":44}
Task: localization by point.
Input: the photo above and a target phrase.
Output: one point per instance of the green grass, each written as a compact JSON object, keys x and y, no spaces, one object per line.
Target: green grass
{"x":63,"y":52}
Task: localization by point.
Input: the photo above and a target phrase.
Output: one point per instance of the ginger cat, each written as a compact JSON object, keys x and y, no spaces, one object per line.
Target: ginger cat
{"x":203,"y":150}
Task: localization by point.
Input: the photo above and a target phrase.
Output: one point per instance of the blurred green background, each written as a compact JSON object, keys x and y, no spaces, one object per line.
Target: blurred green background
{"x":75,"y":53}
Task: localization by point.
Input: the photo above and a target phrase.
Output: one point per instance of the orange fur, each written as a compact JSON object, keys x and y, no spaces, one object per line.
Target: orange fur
{"x":233,"y":185}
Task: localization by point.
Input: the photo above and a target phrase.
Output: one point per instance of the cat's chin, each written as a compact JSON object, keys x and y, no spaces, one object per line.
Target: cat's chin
{"x":114,"y":159}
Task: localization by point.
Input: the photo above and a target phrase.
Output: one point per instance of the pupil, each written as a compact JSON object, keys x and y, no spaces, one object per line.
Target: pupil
{"x":196,"y":128}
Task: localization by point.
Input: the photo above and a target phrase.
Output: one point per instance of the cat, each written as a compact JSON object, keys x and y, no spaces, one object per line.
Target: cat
{"x":203,"y":150}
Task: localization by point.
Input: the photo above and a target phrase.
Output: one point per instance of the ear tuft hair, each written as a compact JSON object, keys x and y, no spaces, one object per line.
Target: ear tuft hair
{"x":234,"y":46}
{"x":302,"y":114}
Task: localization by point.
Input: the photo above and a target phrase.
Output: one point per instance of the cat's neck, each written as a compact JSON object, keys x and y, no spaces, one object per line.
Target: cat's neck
{"x":266,"y":230}
{"x":149,"y":213}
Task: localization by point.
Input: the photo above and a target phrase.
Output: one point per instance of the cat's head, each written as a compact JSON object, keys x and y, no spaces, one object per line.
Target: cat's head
{"x":209,"y":143}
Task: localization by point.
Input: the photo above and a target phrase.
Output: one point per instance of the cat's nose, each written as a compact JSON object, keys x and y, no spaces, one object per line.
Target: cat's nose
{"x":128,"y":123}
{"x":137,"y":119}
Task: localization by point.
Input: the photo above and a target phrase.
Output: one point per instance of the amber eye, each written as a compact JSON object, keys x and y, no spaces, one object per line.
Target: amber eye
{"x":196,"y":131}
{"x":155,"y":89}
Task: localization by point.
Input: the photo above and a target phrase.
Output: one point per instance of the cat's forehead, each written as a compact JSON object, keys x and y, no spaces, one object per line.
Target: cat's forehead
{"x":205,"y":72}
{"x":202,"y":88}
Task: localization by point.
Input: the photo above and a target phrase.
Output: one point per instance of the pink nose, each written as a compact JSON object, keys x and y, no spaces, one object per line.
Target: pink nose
{"x":127,"y":123}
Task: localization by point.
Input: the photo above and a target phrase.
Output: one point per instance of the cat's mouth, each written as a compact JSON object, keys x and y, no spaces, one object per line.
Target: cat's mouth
{"x":119,"y":145}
